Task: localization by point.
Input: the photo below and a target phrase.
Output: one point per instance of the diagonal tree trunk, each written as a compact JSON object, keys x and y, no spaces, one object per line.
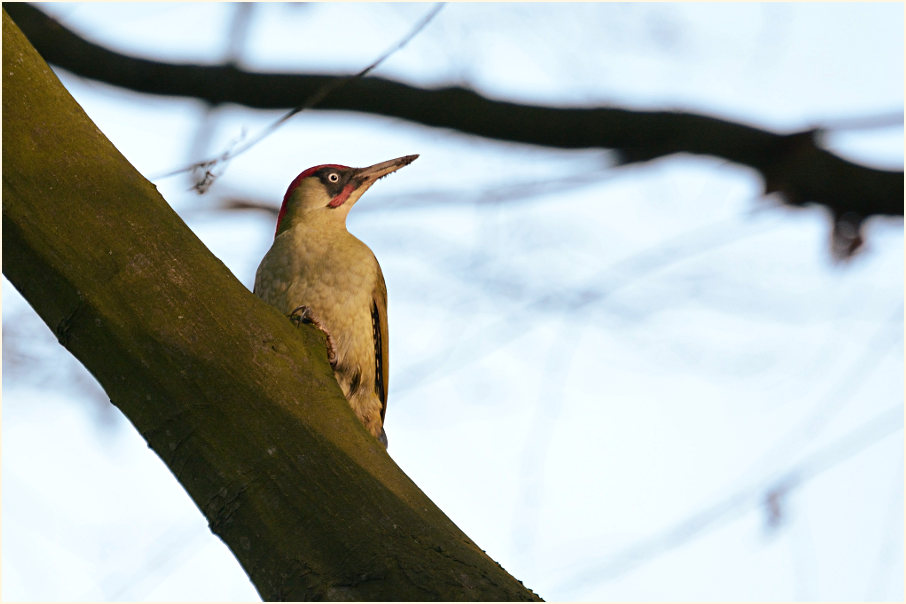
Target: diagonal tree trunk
{"x":242,"y":408}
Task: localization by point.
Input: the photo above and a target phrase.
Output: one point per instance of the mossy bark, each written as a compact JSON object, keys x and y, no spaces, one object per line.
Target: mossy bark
{"x":242,"y":407}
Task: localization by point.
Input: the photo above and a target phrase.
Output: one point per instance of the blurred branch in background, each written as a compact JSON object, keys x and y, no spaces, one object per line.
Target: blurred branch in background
{"x":775,"y":484}
{"x":893,"y":119}
{"x":771,"y":494}
{"x":544,"y":302}
{"x":644,"y":352}
{"x":511,"y":193}
{"x":236,"y":40}
{"x":793,"y":164}
{"x":204,"y":169}
{"x":66,"y":49}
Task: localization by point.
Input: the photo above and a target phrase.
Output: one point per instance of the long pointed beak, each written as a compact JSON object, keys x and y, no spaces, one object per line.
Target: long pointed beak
{"x":367,"y":176}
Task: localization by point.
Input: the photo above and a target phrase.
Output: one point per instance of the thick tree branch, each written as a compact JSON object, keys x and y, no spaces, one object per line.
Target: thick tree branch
{"x":242,"y":407}
{"x":792,"y":164}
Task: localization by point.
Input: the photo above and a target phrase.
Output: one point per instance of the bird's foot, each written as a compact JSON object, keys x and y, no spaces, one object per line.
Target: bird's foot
{"x":303,"y":315}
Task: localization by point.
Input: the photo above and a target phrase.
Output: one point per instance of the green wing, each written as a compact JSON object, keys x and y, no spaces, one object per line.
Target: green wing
{"x":381,"y":340}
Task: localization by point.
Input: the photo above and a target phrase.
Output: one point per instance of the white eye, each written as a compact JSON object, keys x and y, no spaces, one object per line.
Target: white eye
{"x":333,"y":177}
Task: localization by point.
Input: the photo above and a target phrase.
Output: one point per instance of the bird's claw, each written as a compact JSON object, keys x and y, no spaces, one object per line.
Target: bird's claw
{"x":331,"y":351}
{"x":303,"y":315}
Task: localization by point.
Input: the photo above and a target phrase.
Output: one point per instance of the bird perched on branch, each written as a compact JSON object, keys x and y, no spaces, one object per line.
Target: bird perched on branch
{"x":317,"y":272}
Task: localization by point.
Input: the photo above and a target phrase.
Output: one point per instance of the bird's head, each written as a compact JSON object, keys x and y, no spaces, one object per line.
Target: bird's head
{"x":329,"y":191}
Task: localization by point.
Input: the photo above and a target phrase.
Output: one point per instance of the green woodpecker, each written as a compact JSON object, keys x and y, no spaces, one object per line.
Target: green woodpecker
{"x":317,"y":272}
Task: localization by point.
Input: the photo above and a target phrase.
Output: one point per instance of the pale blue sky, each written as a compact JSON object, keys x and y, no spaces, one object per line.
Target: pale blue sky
{"x":601,"y":384}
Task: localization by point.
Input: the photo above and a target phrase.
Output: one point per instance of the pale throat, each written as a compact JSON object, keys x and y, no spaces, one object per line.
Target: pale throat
{"x":322,"y":218}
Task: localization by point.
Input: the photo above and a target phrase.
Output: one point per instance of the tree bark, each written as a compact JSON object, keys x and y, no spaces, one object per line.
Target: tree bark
{"x":241,"y":406}
{"x":792,"y":164}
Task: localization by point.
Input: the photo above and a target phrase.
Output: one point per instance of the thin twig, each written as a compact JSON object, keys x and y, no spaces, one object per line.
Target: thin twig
{"x":888,"y":422}
{"x":877,"y":121}
{"x":208,"y":176}
{"x":621,"y":273}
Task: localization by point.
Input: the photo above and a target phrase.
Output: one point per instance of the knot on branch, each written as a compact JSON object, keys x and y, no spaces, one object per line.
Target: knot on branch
{"x":846,"y":235}
{"x":64,"y":325}
{"x":792,"y":156}
{"x":219,"y":509}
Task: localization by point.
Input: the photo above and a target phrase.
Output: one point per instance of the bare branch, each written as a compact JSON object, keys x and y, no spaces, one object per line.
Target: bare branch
{"x":319,"y":95}
{"x":768,"y":493}
{"x":792,"y":164}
